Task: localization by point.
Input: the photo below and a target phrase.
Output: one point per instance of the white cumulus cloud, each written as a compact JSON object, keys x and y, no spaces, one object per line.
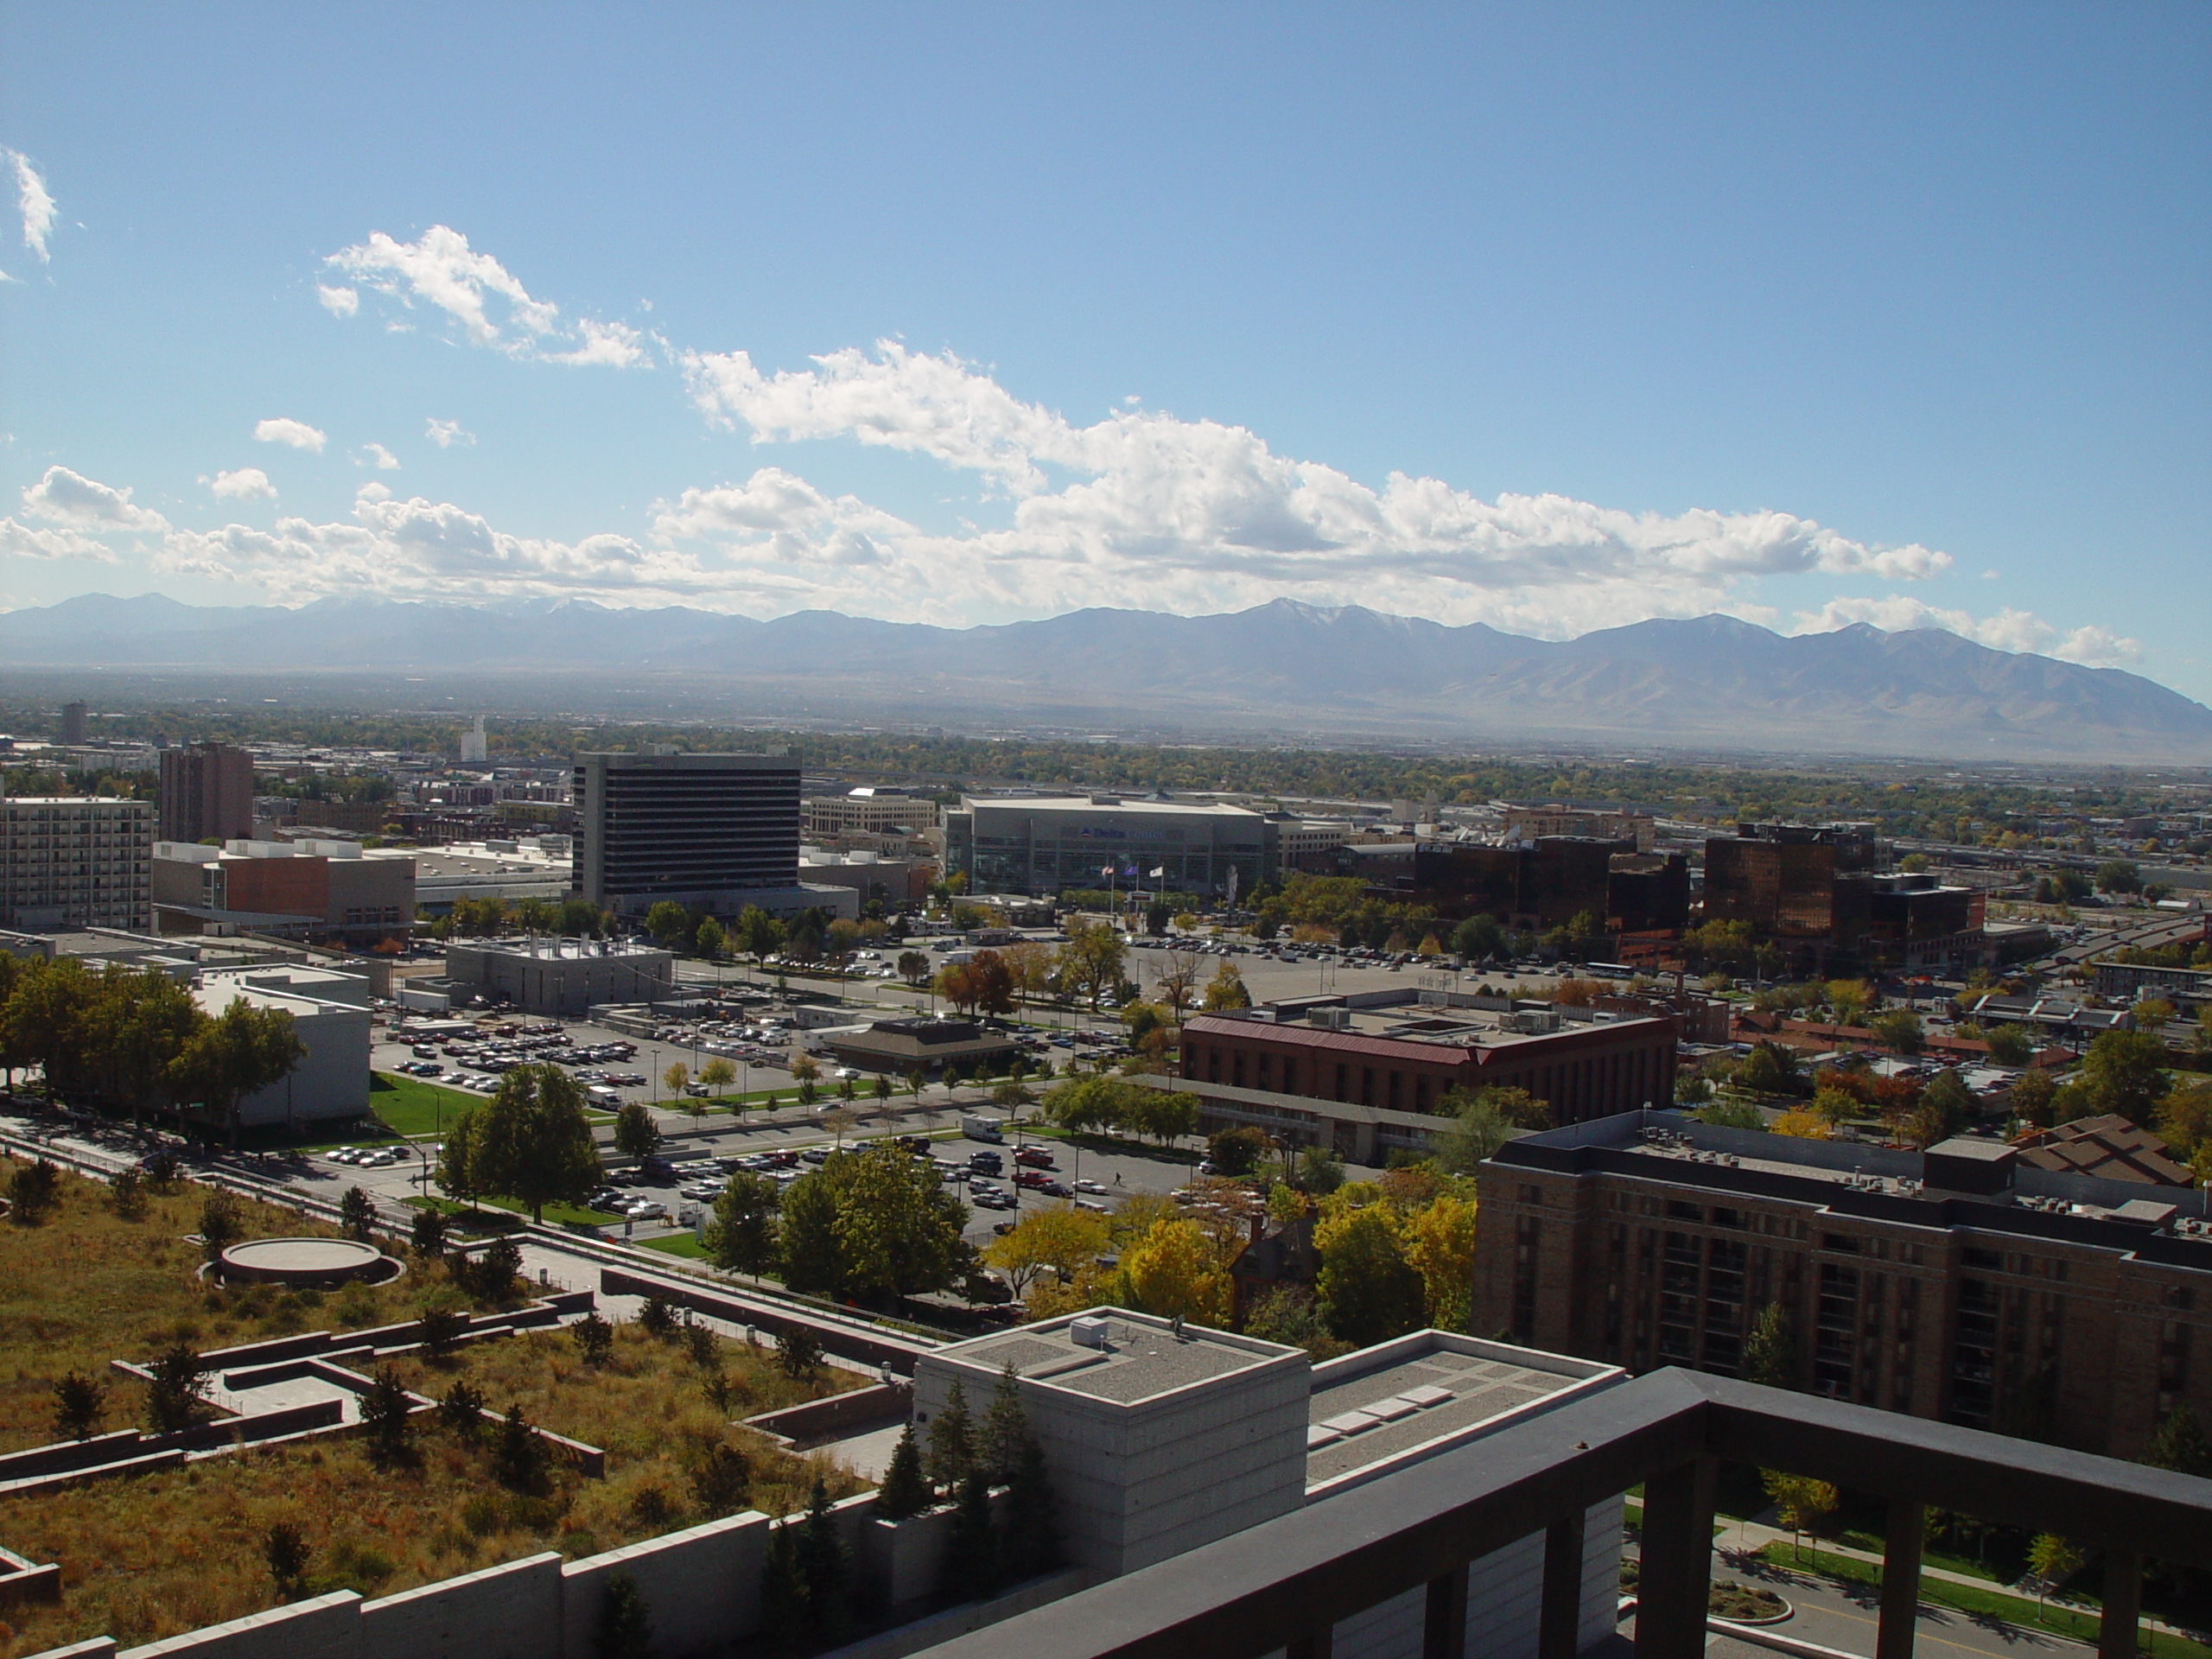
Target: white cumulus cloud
{"x":381,"y":458}
{"x":297,"y":434}
{"x":447,"y":433}
{"x":21,"y":541}
{"x":67,"y":498}
{"x":246,"y":484}
{"x":2090,"y":645}
{"x":439,"y":269}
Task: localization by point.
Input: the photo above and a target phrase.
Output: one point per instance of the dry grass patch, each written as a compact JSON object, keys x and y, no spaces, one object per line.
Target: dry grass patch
{"x":84,"y":1285}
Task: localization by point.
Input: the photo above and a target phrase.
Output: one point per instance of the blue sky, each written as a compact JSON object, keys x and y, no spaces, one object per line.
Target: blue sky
{"x":1551,"y":317}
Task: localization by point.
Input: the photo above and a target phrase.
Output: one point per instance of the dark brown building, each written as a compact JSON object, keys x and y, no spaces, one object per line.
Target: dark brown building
{"x":1582,"y":1070}
{"x":1781,"y":879}
{"x":1955,"y":1284}
{"x":206,"y":793}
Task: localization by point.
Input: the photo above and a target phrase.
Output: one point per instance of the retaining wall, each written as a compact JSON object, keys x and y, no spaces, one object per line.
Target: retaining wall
{"x":821,"y":1420}
{"x":845,"y":1339}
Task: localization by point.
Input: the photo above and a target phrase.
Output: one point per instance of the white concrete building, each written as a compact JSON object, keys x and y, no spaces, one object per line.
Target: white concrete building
{"x":1158,"y":1440}
{"x":330,"y":1015}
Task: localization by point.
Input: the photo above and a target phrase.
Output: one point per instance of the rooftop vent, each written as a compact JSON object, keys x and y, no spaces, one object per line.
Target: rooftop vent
{"x":1087,"y":1333}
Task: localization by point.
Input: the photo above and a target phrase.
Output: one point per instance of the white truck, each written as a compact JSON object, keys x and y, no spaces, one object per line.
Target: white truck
{"x":982,"y":1128}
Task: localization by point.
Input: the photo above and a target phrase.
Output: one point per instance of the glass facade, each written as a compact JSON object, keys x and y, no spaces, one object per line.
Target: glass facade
{"x":1040,"y":846}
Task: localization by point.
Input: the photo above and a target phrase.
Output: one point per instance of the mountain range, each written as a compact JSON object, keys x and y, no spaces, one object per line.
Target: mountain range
{"x":1711,"y":682}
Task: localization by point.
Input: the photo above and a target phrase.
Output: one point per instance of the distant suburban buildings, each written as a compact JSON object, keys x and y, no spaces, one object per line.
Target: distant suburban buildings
{"x":716,"y":832}
{"x":1366,"y":1083}
{"x":1041,"y":844}
{"x":320,"y":890}
{"x":1535,"y":822}
{"x":73,"y":862}
{"x":206,"y":793}
{"x":1962,"y":1284}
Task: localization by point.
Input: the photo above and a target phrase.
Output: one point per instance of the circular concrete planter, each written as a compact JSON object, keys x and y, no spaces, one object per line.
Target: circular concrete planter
{"x":321,"y":1263}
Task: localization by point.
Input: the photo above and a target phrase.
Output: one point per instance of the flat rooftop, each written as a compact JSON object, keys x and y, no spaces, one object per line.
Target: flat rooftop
{"x":1128,"y":806}
{"x":1439,"y":1027}
{"x":1392,"y":1403}
{"x":1142,"y":1359}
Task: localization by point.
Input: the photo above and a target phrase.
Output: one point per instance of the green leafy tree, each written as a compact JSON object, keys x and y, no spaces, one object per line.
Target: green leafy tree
{"x":531,"y":1142}
{"x":1319,"y":1171}
{"x":2124,"y":1072}
{"x":1771,"y":1350}
{"x":2033,"y":1099}
{"x":2121,"y":875}
{"x":357,"y":1214}
{"x":870,"y":1223}
{"x":1943,"y":1108}
{"x":1898,"y":1030}
{"x":1478,"y":938}
{"x":175,"y":1385}
{"x":1286,"y":1314}
{"x":1800,"y":1502}
{"x":1226,"y":989}
{"x":2180,"y":1444}
{"x":743,"y":1235}
{"x":33,"y":1194}
{"x":669,"y":924}
{"x":1367,"y":1290}
{"x":797,"y":1354}
{"x":239,"y":1053}
{"x":427,"y":1233}
{"x":636,"y":1134}
{"x":2011,"y":1045}
{"x":2052,"y":1561}
{"x":1237,"y":1150}
{"x":456,"y":1166}
{"x":708,"y":939}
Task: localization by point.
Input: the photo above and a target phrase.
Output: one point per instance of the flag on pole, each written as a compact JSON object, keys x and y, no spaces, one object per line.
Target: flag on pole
{"x":1160,"y":874}
{"x":1106,"y":871}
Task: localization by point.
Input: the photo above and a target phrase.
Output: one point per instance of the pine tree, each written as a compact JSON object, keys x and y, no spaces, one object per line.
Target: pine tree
{"x":952,"y":1446}
{"x":1005,"y":1429}
{"x":1771,"y":1351}
{"x":903,"y":1491}
{"x":971,"y":1552}
{"x":823,"y":1568}
{"x":625,"y":1629}
{"x":1032,"y":1542}
{"x":783,"y":1592}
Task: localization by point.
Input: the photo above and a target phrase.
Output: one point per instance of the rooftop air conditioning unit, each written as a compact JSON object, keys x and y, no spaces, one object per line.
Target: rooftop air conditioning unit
{"x":1087,"y":1333}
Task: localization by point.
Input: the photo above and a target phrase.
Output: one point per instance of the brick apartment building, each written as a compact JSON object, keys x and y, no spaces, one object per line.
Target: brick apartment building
{"x":1959,"y":1284}
{"x":1365,"y":1090}
{"x":206,"y":793}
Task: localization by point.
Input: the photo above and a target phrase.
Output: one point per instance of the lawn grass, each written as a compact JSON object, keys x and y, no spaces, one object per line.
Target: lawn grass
{"x":681,"y":1244}
{"x":86,"y":1286}
{"x":1978,"y":1602}
{"x":156,"y":1556}
{"x":410,"y":1107}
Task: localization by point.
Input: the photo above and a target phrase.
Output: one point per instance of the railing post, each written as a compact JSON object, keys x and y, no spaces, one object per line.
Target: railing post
{"x":1560,"y":1614}
{"x":1443,"y":1630}
{"x":1901,"y":1540}
{"x":1674,"y":1583}
{"x":2116,"y":1631}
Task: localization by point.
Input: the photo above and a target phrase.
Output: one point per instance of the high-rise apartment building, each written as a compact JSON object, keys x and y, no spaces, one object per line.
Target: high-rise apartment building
{"x":1959,"y":1284}
{"x":716,"y":832}
{"x":475,"y":747}
{"x":206,"y":793}
{"x":72,"y":723}
{"x":76,"y":862}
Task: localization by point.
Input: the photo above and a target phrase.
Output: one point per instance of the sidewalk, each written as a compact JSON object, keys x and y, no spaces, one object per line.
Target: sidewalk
{"x":1757,"y":1537}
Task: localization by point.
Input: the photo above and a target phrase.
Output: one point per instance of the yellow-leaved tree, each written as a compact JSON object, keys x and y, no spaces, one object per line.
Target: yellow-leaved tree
{"x":1439,"y":1239}
{"x":1175,"y":1268}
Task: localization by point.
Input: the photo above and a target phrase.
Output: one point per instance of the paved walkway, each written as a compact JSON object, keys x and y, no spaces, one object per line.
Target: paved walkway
{"x":1751,"y":1537}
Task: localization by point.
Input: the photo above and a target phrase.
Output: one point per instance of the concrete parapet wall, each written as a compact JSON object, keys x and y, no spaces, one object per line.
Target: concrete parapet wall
{"x":701,"y":1586}
{"x":511,"y":1611}
{"x":843,"y":1339}
{"x":836,"y":1414}
{"x":925,"y":1633}
{"x":328,"y":1627}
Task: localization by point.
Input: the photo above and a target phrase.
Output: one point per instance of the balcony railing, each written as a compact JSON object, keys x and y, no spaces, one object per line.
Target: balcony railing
{"x":1286,"y":1583}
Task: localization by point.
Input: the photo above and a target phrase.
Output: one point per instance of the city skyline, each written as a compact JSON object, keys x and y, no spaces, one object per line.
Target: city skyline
{"x":1392,"y":350}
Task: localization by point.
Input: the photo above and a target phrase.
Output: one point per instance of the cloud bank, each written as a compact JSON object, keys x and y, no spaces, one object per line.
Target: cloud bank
{"x":1140,"y":509}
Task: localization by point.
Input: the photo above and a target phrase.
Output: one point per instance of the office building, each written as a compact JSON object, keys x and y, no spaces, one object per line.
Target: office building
{"x":716,"y":832}
{"x":1961,"y":1284}
{"x":475,"y":747}
{"x":72,"y":723}
{"x":72,"y":862}
{"x":869,"y":811}
{"x":551,"y":976}
{"x":1368,"y":1083}
{"x":1818,"y":891}
{"x":1529,"y":823}
{"x":1041,"y":845}
{"x":321,"y":890}
{"x":206,"y":793}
